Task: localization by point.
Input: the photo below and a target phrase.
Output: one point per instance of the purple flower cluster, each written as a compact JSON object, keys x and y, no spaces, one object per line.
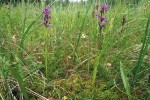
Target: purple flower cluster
{"x":104,"y":8}
{"x":46,"y":16}
{"x":103,"y":20}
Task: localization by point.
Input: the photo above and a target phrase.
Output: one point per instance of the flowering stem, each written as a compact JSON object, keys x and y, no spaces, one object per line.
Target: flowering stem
{"x":100,"y":38}
{"x":102,"y":20}
{"x":101,"y":24}
{"x":46,"y":24}
{"x":46,"y":53}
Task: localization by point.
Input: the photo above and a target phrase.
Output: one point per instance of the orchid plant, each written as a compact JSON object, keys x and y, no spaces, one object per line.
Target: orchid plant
{"x":102,"y":20}
{"x":46,"y":24}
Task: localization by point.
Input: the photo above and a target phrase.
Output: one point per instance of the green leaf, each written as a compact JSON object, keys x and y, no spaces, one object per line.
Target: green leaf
{"x":125,"y":82}
{"x":143,"y":50}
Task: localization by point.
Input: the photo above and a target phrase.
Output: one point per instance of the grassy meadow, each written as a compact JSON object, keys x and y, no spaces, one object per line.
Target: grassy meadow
{"x":65,"y":62}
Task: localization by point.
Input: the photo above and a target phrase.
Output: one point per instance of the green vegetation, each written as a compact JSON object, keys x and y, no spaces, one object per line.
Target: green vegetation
{"x":65,"y":61}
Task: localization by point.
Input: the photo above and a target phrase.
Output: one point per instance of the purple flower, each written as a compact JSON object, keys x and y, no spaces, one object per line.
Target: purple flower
{"x":97,"y":15}
{"x":47,"y":10}
{"x":104,"y":8}
{"x":46,"y":16}
{"x":103,"y":20}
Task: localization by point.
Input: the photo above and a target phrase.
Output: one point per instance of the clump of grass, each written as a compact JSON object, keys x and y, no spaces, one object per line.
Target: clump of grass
{"x":143,"y":51}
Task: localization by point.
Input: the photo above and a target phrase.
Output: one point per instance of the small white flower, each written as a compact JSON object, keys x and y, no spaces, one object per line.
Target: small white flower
{"x":14,"y":38}
{"x":108,"y":64}
{"x":69,"y":57}
{"x":83,"y":36}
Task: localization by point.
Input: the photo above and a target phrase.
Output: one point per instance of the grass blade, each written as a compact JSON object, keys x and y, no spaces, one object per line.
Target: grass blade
{"x":26,"y":32}
{"x":95,"y":68}
{"x":20,"y":82}
{"x":125,"y":82}
{"x":81,"y":29}
{"x":143,"y":50}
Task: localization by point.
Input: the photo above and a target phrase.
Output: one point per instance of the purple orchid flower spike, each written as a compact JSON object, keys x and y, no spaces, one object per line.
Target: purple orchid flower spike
{"x":102,"y":21}
{"x":105,"y":8}
{"x":47,"y":10}
{"x":46,"y":16}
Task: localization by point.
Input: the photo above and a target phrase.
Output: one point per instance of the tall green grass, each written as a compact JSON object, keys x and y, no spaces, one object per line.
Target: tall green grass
{"x":4,"y":73}
{"x":74,"y":60}
{"x":81,"y":29}
{"x":145,"y":43}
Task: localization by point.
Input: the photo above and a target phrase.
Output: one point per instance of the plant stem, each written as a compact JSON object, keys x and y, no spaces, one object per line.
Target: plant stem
{"x":100,"y":38}
{"x":46,"y":53}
